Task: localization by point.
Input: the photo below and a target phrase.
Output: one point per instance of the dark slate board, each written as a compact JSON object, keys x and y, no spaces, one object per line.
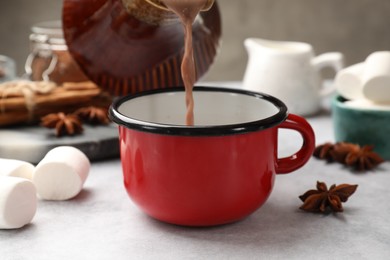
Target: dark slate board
{"x":32,"y":143}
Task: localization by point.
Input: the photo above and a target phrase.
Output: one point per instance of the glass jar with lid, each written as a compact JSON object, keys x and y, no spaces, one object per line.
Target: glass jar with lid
{"x":49,"y":59}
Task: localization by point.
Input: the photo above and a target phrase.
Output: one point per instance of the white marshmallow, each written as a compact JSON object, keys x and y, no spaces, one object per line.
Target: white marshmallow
{"x":18,"y":202}
{"x":61,"y":173}
{"x":349,"y":83}
{"x":376,"y":77}
{"x":16,"y":168}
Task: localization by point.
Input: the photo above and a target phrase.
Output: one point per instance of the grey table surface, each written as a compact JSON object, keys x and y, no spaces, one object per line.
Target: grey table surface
{"x":102,"y":222}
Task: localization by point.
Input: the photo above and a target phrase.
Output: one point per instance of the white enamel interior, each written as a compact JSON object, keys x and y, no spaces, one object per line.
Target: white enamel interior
{"x":211,"y":108}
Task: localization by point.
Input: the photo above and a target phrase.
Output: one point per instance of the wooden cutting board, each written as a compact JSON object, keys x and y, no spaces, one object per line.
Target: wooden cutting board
{"x":32,"y":143}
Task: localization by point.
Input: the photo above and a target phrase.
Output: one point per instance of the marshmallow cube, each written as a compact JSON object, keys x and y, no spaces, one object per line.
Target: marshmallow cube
{"x":16,"y":168}
{"x":61,"y":173}
{"x":349,"y":83}
{"x":18,"y":202}
{"x":376,"y":77}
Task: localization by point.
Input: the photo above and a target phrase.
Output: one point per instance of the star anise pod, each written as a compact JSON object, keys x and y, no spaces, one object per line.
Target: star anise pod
{"x":93,"y":115}
{"x":323,"y":151}
{"x":361,"y":158}
{"x":353,"y":155}
{"x":64,"y":124}
{"x":341,"y":150}
{"x":364,"y":159}
{"x":324,"y":200}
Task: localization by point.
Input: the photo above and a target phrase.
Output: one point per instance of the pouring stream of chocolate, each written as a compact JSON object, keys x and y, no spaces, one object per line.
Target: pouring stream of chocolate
{"x":187,"y":10}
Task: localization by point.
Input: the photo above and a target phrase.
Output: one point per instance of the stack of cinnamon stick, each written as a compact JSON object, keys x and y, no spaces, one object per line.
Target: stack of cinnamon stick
{"x":65,"y":98}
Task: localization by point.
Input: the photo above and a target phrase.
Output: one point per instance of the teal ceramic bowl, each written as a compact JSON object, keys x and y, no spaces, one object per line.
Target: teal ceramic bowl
{"x":362,"y":126}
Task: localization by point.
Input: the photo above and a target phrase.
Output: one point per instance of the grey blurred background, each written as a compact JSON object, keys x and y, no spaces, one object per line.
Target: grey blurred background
{"x":353,"y":27}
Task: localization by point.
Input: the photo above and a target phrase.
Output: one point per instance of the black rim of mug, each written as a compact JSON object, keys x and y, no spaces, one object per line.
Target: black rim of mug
{"x":183,"y":130}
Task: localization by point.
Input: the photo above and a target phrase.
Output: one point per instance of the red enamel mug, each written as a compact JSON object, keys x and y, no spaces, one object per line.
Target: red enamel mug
{"x":216,"y":172}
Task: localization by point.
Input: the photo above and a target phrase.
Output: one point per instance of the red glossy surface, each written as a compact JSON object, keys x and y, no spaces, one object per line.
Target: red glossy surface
{"x":202,"y":181}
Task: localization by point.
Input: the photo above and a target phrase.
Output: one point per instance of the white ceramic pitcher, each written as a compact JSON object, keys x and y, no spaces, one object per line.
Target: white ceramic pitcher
{"x":289,"y":71}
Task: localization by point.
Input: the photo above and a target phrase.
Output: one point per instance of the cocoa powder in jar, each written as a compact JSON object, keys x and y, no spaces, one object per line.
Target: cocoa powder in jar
{"x":50,"y":58}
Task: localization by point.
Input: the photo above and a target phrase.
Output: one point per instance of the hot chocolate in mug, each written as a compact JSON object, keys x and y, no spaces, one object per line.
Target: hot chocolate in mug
{"x":290,"y":72}
{"x":218,"y":171}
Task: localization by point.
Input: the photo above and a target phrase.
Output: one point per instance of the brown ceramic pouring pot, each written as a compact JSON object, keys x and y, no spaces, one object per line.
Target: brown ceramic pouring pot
{"x":128,"y":46}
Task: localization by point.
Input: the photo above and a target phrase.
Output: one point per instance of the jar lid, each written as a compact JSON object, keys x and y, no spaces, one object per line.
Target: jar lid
{"x":49,"y":34}
{"x":53,"y":29}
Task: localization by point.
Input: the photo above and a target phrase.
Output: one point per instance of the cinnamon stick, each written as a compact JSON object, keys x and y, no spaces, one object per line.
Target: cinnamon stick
{"x":57,"y":97}
{"x":67,"y":98}
{"x":21,"y":117}
{"x":79,"y":85}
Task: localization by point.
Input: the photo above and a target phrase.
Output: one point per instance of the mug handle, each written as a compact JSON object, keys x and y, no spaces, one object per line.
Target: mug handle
{"x":334,"y":60}
{"x":297,"y":160}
